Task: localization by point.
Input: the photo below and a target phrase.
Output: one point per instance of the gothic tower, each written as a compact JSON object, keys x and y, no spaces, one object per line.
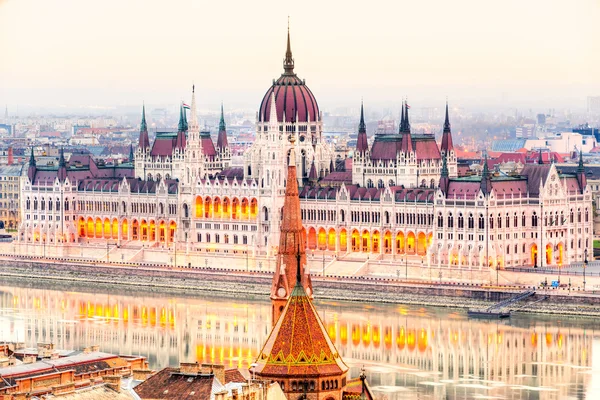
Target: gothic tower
{"x":292,"y":245}
{"x":194,"y":161}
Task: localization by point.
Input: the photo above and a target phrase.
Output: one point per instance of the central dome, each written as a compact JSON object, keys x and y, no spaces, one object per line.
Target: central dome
{"x":292,"y":96}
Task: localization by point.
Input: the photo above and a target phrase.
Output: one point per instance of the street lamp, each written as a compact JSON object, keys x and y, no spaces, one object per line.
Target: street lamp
{"x":585,"y":263}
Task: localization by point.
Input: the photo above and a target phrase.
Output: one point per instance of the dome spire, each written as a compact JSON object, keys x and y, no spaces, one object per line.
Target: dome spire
{"x":361,"y":141}
{"x":288,"y":62}
{"x":361,"y":126}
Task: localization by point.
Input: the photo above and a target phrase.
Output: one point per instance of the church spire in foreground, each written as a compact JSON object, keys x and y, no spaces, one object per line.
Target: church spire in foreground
{"x":222,"y":143}
{"x":292,"y":245}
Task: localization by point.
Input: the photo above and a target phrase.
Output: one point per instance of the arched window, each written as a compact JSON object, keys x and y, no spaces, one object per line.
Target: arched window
{"x":50,"y":205}
{"x":28,"y":203}
{"x":440,"y":220}
{"x":481,"y":222}
{"x":534,"y":219}
{"x":43,"y":204}
{"x":461,"y":221}
{"x":516,"y":221}
{"x":579,"y":215}
{"x":369,"y":183}
{"x":471,"y":222}
{"x":380,"y":183}
{"x":499,"y":221}
{"x":491,"y":222}
{"x":66,"y":205}
{"x":572,"y":215}
{"x":343,"y":215}
{"x":523,"y":219}
{"x":450,"y":221}
{"x":586,"y":215}
{"x":507,"y":220}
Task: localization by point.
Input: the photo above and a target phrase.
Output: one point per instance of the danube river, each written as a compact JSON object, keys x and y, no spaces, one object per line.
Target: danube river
{"x":407,"y":352}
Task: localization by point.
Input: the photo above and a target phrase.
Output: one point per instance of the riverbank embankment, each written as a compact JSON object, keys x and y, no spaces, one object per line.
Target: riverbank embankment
{"x":70,"y":276}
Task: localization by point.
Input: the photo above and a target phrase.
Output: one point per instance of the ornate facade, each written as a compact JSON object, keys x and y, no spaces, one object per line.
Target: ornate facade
{"x":400,"y":199}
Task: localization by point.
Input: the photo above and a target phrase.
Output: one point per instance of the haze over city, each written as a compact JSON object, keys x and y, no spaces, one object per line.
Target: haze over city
{"x":68,"y":54}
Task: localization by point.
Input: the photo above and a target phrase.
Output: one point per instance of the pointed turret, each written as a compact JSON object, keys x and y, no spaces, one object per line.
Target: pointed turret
{"x":447,"y":144}
{"x":144,"y":141}
{"x":180,"y":141}
{"x":444,"y":175}
{"x":540,"y":158}
{"x":194,"y":126}
{"x":401,"y":125}
{"x":361,"y":141}
{"x":222,"y":143}
{"x":131,"y":155}
{"x":288,"y":62}
{"x":62,"y":166}
{"x":32,"y":168}
{"x":486,"y":179}
{"x":331,"y":166}
{"x":273,"y":120}
{"x":581,"y":178}
{"x":312,"y":175}
{"x":291,"y":245}
{"x":406,"y":143}
{"x":185,"y":122}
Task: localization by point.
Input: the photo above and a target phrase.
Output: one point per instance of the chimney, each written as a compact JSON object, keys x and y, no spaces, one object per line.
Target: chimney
{"x":219,"y":372}
{"x":141,"y":374}
{"x":29,"y":359}
{"x":113,"y":382}
{"x":189,"y":368}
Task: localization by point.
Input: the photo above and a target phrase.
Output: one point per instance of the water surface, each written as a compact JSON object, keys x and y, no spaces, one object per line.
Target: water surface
{"x":408,"y":352}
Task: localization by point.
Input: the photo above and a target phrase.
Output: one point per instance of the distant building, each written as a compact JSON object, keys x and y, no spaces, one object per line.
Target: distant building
{"x":10,"y":190}
{"x":526,"y":131}
{"x":593,"y":104}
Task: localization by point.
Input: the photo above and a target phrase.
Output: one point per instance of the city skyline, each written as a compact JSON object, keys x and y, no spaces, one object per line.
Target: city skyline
{"x":78,"y":55}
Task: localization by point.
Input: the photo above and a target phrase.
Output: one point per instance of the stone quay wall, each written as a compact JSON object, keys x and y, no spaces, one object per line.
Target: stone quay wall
{"x":240,"y":283}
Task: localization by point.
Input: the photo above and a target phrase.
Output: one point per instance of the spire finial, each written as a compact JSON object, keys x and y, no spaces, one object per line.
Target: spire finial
{"x":143,"y":125}
{"x":580,"y":166}
{"x":401,"y":127}
{"x":288,"y":62}
{"x":447,"y":121}
{"x":193,"y":88}
{"x":61,"y":159}
{"x":222,"y":120}
{"x":362,"y":128}
{"x":406,"y":121}
{"x":32,"y":158}
{"x":540,"y":159}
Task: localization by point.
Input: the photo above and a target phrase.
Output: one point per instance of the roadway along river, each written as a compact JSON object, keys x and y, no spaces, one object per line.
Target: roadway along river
{"x":408,"y":352}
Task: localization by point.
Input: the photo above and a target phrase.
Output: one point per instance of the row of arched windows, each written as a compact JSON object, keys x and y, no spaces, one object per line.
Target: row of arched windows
{"x":44,"y":204}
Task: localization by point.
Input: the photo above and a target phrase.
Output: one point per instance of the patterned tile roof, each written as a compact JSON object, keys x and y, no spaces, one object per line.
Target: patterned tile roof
{"x":169,"y":383}
{"x":299,"y":344}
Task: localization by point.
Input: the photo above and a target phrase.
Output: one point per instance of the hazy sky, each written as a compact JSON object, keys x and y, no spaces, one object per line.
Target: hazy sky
{"x":122,"y":52}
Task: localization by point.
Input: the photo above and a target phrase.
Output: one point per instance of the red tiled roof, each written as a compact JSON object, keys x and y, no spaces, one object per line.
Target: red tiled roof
{"x":354,"y":389}
{"x":208,"y":147}
{"x":163,"y":146}
{"x":234,"y":375}
{"x":299,"y":344}
{"x":169,"y":383}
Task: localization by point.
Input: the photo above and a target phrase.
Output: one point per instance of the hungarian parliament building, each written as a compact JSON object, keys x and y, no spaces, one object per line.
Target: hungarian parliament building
{"x":401,"y":196}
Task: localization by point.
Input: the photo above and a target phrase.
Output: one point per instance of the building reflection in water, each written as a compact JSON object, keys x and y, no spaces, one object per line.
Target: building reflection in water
{"x":407,"y":352}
